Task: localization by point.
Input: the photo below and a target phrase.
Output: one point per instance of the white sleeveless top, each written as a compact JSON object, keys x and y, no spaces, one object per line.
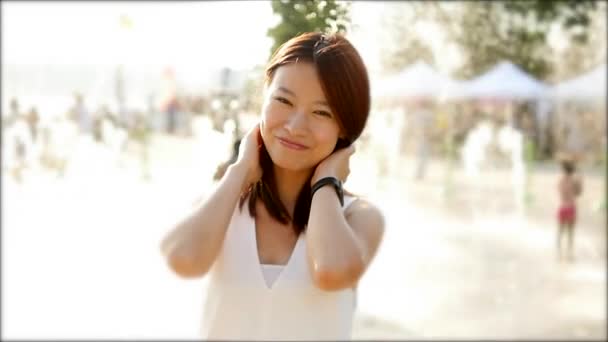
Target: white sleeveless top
{"x":271,"y":273}
{"x":240,"y":304}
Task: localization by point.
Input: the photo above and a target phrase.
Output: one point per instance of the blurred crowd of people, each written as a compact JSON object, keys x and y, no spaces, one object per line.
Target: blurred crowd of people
{"x":46,"y":141}
{"x":31,"y":140}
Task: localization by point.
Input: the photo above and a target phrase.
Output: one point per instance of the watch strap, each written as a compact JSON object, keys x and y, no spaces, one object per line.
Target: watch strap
{"x":335,"y":182}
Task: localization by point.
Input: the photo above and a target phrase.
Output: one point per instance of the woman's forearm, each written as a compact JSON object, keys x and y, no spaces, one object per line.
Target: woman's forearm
{"x":194,"y":242}
{"x":334,"y":254}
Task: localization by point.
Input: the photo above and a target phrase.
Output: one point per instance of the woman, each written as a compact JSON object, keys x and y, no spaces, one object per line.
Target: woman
{"x":284,"y":250}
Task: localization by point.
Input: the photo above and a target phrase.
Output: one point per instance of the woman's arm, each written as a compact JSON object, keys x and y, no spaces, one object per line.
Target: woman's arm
{"x":195,"y":241}
{"x":340,"y":245}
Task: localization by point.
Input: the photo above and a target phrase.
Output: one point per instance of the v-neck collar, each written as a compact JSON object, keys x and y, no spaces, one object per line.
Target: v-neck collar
{"x":258,"y":263}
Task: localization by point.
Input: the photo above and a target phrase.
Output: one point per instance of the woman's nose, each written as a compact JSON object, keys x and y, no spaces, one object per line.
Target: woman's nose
{"x":297,"y":123}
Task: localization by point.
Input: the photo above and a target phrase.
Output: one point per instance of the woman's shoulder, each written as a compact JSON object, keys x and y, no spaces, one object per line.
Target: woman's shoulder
{"x":348,"y":200}
{"x":365,"y":218}
{"x":360,"y":206}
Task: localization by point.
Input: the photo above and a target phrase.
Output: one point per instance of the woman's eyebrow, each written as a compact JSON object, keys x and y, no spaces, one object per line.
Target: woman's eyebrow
{"x":287,"y":91}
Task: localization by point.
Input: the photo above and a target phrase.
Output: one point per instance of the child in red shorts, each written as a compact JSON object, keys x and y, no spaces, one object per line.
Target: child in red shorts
{"x":569,"y":187}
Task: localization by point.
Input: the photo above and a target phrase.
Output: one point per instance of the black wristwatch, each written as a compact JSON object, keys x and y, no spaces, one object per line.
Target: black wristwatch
{"x":337,"y":184}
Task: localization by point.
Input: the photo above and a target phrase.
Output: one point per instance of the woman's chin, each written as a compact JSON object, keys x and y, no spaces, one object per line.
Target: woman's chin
{"x":291,"y":163}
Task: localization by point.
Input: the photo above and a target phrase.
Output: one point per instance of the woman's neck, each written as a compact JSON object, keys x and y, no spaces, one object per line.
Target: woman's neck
{"x":289,"y":184}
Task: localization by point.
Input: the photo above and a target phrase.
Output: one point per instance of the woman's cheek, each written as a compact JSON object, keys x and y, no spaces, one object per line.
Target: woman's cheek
{"x":266,"y":123}
{"x":269,"y":115}
{"x":327,"y":141}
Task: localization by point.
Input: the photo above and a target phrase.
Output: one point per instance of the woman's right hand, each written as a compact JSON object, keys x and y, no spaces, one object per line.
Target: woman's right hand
{"x":249,"y":156}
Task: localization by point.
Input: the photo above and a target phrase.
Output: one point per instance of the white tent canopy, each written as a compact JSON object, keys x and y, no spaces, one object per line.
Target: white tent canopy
{"x":590,"y":85}
{"x":416,"y":80}
{"x":504,"y":81}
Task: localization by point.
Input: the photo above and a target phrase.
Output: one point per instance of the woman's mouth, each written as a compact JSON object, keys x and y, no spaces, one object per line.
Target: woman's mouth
{"x":292,"y":144}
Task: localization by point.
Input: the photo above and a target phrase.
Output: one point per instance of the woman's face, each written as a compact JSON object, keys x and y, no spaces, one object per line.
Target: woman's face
{"x":298,"y":127}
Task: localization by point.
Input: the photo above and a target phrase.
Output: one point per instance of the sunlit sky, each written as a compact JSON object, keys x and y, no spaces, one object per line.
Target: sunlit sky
{"x":180,"y":33}
{"x":213,"y":33}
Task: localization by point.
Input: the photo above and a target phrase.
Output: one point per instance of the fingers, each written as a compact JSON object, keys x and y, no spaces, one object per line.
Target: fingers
{"x":351,"y":149}
{"x":346,"y":174}
{"x":348,"y":151}
{"x":255,"y":130}
{"x":254,"y":134}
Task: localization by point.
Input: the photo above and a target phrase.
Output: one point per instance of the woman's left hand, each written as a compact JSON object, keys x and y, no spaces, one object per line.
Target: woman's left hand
{"x":335,"y":165}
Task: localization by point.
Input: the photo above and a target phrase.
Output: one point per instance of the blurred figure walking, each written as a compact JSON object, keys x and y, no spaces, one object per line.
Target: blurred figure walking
{"x":423,"y":117}
{"x":33,"y":120}
{"x":169,"y":103}
{"x":17,"y":148}
{"x":13,"y":114}
{"x":80,"y":115}
{"x":569,"y":187}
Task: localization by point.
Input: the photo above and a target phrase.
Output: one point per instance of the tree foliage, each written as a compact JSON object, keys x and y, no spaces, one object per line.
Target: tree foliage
{"x":487,"y":32}
{"x":588,"y":52}
{"x":514,"y":30}
{"x":404,"y":45}
{"x":296,"y":17}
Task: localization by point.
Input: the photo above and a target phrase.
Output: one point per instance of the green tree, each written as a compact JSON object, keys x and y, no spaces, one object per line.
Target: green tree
{"x":328,"y":16}
{"x":492,"y":31}
{"x":404,"y":45}
{"x":588,"y":52}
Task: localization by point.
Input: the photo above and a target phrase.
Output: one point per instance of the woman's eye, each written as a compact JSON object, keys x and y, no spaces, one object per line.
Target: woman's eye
{"x":322,"y":113}
{"x":282,"y":100}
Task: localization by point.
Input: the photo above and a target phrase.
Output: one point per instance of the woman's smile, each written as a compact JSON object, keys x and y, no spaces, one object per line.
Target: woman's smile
{"x":292,"y":145}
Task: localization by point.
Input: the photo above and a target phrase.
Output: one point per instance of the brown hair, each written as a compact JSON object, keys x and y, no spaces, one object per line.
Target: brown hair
{"x":345,"y":84}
